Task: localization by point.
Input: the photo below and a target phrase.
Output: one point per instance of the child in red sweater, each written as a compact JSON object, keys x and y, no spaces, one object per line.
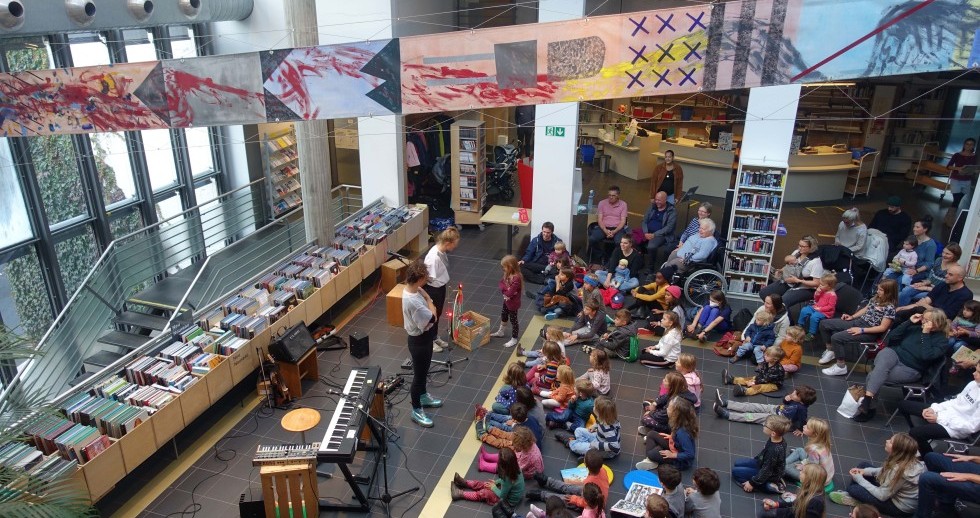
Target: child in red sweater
{"x":824,"y":302}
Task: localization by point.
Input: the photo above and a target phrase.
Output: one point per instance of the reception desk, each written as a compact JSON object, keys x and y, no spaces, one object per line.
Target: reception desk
{"x":708,"y":168}
{"x":817,"y":177}
{"x":635,"y":161}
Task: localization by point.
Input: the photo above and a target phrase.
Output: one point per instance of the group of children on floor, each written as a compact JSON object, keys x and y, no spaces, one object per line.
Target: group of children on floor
{"x":584,"y":418}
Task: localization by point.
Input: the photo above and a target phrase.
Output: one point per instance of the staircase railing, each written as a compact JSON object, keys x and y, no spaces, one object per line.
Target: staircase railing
{"x":129,"y":264}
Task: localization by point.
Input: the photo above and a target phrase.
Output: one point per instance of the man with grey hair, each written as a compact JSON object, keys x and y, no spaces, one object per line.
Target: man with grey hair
{"x":851,"y":232}
{"x":949,"y":296}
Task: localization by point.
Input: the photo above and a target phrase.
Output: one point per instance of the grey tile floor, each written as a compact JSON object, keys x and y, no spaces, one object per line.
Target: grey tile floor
{"x":419,"y":457}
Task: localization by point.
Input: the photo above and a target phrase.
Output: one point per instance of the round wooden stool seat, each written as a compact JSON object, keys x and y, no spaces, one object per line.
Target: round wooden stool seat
{"x":300,"y":420}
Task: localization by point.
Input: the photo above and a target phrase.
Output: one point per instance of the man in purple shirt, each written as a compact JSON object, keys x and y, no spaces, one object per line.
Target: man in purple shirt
{"x":611,"y":219}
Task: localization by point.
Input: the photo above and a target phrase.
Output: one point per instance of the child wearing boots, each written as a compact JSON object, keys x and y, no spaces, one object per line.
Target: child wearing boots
{"x":770,"y":376}
{"x":528,"y":454}
{"x":499,"y":438}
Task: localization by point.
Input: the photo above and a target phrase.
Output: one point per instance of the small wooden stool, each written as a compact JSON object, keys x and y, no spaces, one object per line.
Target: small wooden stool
{"x":300,"y":420}
{"x":291,"y":490}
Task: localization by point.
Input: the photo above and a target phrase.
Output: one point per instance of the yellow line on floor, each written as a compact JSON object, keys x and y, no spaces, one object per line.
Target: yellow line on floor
{"x":469,"y":446}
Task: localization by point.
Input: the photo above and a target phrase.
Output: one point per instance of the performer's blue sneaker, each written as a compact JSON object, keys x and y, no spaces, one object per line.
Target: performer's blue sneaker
{"x":430,"y":402}
{"x":418,"y":415}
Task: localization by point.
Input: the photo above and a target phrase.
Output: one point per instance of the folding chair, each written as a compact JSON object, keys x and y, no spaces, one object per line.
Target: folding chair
{"x":868,"y":352}
{"x":962,"y":446}
{"x":920,"y":390}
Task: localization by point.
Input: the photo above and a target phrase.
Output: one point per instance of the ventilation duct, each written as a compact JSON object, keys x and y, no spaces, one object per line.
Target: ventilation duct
{"x":140,"y":9}
{"x":81,"y":12}
{"x":11,"y":14}
{"x":38,"y":18}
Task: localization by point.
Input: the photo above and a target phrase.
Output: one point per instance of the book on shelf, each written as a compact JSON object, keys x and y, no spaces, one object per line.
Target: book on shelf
{"x":769,"y":179}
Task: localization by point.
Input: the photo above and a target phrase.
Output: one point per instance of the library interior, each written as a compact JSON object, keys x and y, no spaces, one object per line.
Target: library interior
{"x":443,"y":257}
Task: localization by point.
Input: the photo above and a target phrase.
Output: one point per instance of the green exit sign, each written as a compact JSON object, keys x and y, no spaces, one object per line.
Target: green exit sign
{"x":554,"y":131}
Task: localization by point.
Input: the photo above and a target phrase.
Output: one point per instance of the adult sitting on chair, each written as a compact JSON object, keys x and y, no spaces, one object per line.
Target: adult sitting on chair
{"x":950,"y":477}
{"x":659,"y":225}
{"x":865,"y":325}
{"x":925,"y":251}
{"x":704,"y":211}
{"x":611,"y":220}
{"x":949,"y":296}
{"x":799,"y":289}
{"x":851,"y":232}
{"x":697,"y":249}
{"x":535,"y":259}
{"x":954,"y":419}
{"x":937,"y":274}
{"x":915,"y":347}
{"x":633,"y":261}
{"x":893,"y":222}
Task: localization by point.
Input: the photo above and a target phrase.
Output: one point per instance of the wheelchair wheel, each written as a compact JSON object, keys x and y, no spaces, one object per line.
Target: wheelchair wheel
{"x":700,"y":284}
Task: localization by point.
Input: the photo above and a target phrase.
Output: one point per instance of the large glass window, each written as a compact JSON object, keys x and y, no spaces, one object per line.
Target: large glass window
{"x":76,"y":256}
{"x":199,"y":151}
{"x":168,"y":208}
{"x":139,"y":46}
{"x":88,"y":49}
{"x":182,"y":42}
{"x":14,"y":223}
{"x":160,"y":158}
{"x":206,"y":191}
{"x":126,"y":222}
{"x":24,"y":303}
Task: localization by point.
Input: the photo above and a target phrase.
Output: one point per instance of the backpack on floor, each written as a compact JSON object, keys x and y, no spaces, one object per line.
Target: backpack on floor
{"x":634,"y":349}
{"x":742,"y":319}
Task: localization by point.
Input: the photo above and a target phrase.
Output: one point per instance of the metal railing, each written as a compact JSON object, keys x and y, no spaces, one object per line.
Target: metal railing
{"x":348,"y":199}
{"x":129,"y":264}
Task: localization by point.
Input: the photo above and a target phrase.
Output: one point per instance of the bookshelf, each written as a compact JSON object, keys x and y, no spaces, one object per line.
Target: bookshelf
{"x":469,"y":169}
{"x":970,"y":240}
{"x":835,"y":115}
{"x":916,"y":122}
{"x":685,"y":115}
{"x":754,"y":222}
{"x":281,"y":160}
{"x":200,"y":362}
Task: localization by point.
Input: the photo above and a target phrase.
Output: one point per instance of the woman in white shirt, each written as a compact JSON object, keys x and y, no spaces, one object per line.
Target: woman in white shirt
{"x":799,"y":289}
{"x":437,"y":262}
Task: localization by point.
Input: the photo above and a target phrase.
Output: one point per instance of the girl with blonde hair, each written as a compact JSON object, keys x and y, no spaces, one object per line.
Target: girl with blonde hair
{"x":815,"y":451}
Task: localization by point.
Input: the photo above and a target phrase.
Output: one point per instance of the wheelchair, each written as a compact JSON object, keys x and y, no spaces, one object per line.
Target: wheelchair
{"x":702,"y":278}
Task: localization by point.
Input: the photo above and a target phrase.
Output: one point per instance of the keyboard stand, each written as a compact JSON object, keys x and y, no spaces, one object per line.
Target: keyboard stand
{"x":363,"y":504}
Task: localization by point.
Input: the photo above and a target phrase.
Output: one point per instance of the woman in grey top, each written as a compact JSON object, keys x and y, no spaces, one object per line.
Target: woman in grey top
{"x":419,"y":314}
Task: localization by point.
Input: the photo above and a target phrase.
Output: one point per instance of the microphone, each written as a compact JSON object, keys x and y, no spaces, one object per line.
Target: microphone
{"x":399,"y":256}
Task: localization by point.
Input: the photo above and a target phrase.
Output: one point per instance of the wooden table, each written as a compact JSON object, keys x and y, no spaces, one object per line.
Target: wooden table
{"x":300,"y":420}
{"x":505,"y":215}
{"x":306,"y":367}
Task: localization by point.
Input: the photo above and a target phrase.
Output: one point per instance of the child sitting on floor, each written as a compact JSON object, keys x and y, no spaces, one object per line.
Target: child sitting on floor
{"x":543,"y":376}
{"x":589,"y":326}
{"x":764,"y":472}
{"x":563,"y":392}
{"x":497,"y":437}
{"x":795,"y":407}
{"x":670,"y":479}
{"x":809,"y":501}
{"x":655,"y":416}
{"x":559,"y":255}
{"x":551,"y":334}
{"x":770,"y":376}
{"x":687,"y":365}
{"x":816,"y":451}
{"x":703,"y":500}
{"x":759,"y":336}
{"x":714,"y":318}
{"x":616,"y":342}
{"x":551,"y":486}
{"x":604,"y":435}
{"x":598,"y":372}
{"x":508,"y":487}
{"x":668,"y":349}
{"x":578,"y":410}
{"x":528,"y":454}
{"x":824,"y":305}
{"x":678,"y":447}
{"x":505,"y":397}
{"x":792,"y":347}
{"x":557,"y":301}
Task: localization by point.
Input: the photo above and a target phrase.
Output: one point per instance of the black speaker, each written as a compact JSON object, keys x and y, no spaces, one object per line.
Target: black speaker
{"x":359,"y":345}
{"x":251,"y":508}
{"x":293,"y":344}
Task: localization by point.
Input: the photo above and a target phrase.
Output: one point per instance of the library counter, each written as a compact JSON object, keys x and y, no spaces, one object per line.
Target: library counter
{"x":708,"y":168}
{"x":635,"y":161}
{"x":817,"y":177}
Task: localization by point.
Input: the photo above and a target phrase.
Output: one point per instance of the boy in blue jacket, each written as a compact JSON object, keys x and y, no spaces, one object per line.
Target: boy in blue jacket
{"x":760,"y":333}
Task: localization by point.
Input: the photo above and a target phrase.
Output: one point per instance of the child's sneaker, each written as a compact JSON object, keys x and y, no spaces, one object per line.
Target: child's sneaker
{"x":520,"y":352}
{"x":551,"y":316}
{"x":843,"y":498}
{"x":808,"y":338}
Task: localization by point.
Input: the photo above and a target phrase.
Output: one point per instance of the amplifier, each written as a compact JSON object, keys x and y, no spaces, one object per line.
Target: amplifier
{"x":359,"y":345}
{"x":293,"y":344}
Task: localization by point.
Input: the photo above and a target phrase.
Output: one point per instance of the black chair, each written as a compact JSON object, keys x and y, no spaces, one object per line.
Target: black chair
{"x":606,"y":245}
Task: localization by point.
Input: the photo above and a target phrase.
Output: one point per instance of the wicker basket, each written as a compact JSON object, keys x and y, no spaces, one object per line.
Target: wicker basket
{"x":480,"y":330}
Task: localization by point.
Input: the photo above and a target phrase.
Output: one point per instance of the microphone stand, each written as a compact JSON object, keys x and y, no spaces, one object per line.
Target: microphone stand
{"x":379,"y":428}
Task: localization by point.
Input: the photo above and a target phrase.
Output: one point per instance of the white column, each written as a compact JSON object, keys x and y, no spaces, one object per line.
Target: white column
{"x":381,"y":146}
{"x":554,"y":156}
